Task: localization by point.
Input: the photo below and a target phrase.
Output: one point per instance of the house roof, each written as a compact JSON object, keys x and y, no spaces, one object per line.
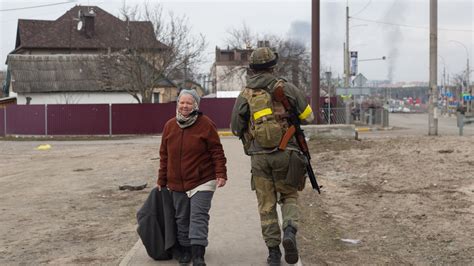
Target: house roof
{"x":109,"y":32}
{"x":165,"y":82}
{"x":59,"y":73}
{"x":71,"y":73}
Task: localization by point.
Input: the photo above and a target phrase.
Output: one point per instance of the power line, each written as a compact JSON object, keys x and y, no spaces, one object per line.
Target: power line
{"x":38,"y":6}
{"x":407,"y":26}
{"x":360,"y":11}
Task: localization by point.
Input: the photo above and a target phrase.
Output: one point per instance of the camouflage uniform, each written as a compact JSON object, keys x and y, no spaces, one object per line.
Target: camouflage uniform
{"x":270,"y":166}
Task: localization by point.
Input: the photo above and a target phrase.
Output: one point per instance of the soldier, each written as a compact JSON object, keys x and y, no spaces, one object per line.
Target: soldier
{"x":260,"y":122}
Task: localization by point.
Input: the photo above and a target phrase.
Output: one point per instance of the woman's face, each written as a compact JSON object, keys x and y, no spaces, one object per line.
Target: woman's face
{"x":185,"y":104}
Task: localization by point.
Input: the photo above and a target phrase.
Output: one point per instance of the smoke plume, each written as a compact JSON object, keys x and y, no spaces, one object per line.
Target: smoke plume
{"x":393,"y":35}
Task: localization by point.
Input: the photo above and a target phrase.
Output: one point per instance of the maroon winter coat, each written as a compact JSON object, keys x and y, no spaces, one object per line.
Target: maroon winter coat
{"x":190,"y":156}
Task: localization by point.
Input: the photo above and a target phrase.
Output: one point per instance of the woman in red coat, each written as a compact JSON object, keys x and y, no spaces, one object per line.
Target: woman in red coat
{"x":192,"y":166}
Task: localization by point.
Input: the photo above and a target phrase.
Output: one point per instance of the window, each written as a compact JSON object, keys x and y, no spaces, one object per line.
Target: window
{"x":156,"y":97}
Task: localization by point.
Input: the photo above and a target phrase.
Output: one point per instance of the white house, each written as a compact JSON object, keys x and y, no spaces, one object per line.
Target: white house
{"x":73,"y":79}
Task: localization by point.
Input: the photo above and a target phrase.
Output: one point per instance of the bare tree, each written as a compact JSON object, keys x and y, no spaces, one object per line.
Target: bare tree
{"x":241,"y":38}
{"x":295,"y":62}
{"x":141,"y":70}
{"x":459,"y":82}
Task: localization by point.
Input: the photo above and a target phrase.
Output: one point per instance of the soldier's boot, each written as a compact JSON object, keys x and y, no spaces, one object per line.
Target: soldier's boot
{"x":198,"y":255}
{"x":274,"y":256}
{"x":289,"y":244}
{"x":185,"y":257}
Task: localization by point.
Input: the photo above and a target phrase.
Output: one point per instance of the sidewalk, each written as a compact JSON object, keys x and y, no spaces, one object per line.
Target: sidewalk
{"x":234,"y":232}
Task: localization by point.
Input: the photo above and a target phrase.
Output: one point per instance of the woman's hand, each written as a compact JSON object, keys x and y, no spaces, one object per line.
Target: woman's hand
{"x":220,"y":182}
{"x":160,"y":187}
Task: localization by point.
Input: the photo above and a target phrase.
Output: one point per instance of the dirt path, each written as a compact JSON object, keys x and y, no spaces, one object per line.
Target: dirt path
{"x":63,"y":206}
{"x":408,"y":200}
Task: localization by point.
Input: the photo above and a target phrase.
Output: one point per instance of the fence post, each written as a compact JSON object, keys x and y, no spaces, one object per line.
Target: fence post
{"x":385,"y":115}
{"x":348,"y":113}
{"x":460,"y":123}
{"x":5,"y":121}
{"x":371,"y":116}
{"x":46,"y":119}
{"x":110,"y":119}
{"x":329,"y":114}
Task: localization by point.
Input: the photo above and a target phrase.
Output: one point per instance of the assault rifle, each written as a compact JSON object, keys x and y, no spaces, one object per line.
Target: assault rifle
{"x":295,"y":129}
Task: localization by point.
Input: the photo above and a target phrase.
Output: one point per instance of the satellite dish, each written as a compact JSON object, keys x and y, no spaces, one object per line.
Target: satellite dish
{"x":79,"y":25}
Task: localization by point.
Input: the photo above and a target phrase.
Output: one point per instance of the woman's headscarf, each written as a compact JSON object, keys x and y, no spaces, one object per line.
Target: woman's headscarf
{"x":183,"y":121}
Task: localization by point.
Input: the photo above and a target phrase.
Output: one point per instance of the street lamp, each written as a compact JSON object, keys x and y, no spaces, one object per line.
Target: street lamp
{"x":347,"y":71}
{"x":444,"y":91}
{"x":468,"y":89}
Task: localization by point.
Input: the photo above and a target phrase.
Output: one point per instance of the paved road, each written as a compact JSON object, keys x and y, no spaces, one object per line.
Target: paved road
{"x":234,"y":232}
{"x":417,"y":124}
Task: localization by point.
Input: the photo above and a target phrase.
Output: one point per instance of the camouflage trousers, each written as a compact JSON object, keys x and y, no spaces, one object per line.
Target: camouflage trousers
{"x":268,"y":180}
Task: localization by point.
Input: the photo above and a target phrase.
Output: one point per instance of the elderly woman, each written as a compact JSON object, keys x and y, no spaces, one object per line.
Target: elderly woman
{"x":192,"y":165}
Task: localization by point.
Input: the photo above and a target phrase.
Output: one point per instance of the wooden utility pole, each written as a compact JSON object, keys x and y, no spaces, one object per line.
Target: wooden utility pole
{"x":315,"y":63}
{"x":433,"y":106}
{"x":347,"y":65}
{"x":347,"y":57}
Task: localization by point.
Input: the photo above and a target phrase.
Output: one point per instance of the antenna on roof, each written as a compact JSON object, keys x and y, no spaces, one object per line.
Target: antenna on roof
{"x":80,"y":24}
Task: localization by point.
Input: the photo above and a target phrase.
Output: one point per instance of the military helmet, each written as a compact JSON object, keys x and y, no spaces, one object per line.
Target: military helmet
{"x":262,"y":58}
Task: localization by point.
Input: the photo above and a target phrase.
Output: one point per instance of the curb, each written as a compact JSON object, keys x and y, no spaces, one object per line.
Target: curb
{"x":225,"y":133}
{"x":128,"y":257}
{"x":367,"y":129}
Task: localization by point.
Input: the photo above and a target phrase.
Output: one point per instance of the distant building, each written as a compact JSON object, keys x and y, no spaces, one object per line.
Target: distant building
{"x":229,"y":72}
{"x":192,"y":85}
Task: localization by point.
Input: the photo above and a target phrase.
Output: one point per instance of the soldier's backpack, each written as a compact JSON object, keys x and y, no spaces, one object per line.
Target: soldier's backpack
{"x":263,"y":125}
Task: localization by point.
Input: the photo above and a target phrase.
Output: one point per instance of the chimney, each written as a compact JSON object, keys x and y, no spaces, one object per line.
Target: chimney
{"x":89,"y":21}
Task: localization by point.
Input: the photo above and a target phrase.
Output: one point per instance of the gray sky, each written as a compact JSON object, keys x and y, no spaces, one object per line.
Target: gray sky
{"x":372,"y":32}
